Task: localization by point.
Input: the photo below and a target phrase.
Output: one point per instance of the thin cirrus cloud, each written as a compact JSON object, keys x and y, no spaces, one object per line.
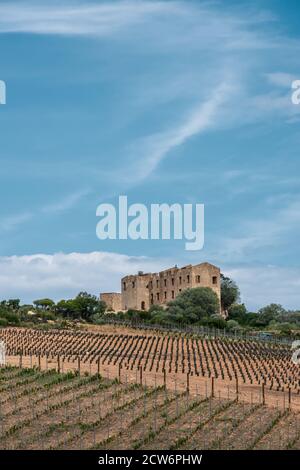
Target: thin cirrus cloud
{"x":171,"y":25}
{"x":79,"y":18}
{"x":220,"y":31}
{"x":65,"y":203}
{"x":12,"y":222}
{"x":151,"y":150}
{"x":260,"y":233}
{"x":281,"y":79}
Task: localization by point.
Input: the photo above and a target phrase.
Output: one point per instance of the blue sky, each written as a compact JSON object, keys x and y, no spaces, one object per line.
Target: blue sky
{"x":164,"y":101}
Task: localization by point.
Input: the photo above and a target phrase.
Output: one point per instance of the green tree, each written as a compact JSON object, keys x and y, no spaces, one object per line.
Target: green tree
{"x":238,"y":312}
{"x":87,"y":305}
{"x":252,"y":319}
{"x":291,"y":316}
{"x":269,"y":313}
{"x":84,"y":306}
{"x":13,"y":304}
{"x":66,"y":308}
{"x":230,"y":293}
{"x":285,"y":328}
{"x":193,"y":304}
{"x":11,"y":317}
{"x":44,"y":304}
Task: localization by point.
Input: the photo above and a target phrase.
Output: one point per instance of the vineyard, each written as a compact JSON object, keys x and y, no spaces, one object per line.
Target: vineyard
{"x":51,"y":410}
{"x":244,"y":367}
{"x":122,"y":389}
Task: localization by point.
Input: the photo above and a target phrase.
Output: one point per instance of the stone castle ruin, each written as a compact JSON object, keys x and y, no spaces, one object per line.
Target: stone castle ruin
{"x":140,"y":291}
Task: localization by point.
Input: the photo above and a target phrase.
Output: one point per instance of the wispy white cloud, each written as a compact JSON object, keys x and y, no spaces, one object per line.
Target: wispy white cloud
{"x":151,"y":150}
{"x":255,"y":233}
{"x":281,"y":79}
{"x":65,"y":203}
{"x":210,"y":34}
{"x":277,"y":104}
{"x":233,"y":174}
{"x":79,"y":18}
{"x":12,"y":222}
{"x":63,"y":275}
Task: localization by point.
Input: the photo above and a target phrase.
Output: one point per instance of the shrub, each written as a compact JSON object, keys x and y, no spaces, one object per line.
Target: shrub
{"x":216,"y":321}
{"x":3,"y":322}
{"x":232,"y":324}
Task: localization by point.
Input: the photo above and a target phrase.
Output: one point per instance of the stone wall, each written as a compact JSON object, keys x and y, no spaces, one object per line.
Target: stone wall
{"x":135,"y":293}
{"x":143,"y":290}
{"x":166,"y":285}
{"x":140,"y":291}
{"x":113,"y":300}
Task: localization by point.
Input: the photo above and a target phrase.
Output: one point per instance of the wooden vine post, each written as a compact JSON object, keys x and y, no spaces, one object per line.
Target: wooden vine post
{"x":212,"y":387}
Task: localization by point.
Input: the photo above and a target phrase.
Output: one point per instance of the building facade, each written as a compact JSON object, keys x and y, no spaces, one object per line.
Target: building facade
{"x":113,"y":300}
{"x":140,"y":291}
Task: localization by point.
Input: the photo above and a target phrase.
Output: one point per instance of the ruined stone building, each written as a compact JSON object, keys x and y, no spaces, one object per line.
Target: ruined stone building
{"x":140,"y":291}
{"x":113,"y":300}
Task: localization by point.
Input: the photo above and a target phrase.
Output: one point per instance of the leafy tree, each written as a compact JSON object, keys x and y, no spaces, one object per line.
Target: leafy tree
{"x":13,"y":304}
{"x":156,"y":309}
{"x":291,"y":316}
{"x":269,"y":313}
{"x":66,"y":308}
{"x":192,"y":305}
{"x":8,"y":315}
{"x":87,"y":305}
{"x":11,"y":317}
{"x":230,"y":293}
{"x":44,"y":304}
{"x":252,"y":319}
{"x":285,"y":329}
{"x":238,"y":312}
{"x":84,"y":306}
